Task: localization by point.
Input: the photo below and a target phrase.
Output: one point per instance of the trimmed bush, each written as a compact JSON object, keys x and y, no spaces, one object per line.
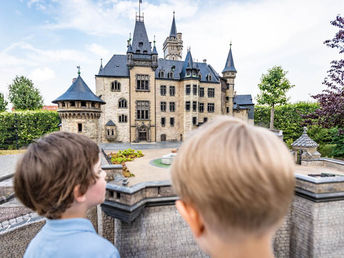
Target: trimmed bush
{"x":20,"y":128}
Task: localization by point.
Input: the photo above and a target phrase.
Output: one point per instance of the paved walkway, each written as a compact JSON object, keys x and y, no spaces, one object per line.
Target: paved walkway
{"x":140,"y":146}
{"x":8,"y":164}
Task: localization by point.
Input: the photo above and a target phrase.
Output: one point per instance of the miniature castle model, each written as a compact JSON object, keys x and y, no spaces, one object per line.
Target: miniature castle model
{"x":149,"y":98}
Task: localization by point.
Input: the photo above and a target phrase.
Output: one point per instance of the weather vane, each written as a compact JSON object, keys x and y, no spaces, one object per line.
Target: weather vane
{"x":78,"y":69}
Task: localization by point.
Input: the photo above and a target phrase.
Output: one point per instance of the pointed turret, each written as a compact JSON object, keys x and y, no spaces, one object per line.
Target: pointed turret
{"x":173,"y":45}
{"x":173,"y":32}
{"x":140,"y":43}
{"x":190,"y":69}
{"x":101,"y":66}
{"x":229,"y":66}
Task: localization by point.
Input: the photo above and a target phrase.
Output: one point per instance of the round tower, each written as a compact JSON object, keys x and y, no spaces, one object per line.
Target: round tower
{"x":80,"y":109}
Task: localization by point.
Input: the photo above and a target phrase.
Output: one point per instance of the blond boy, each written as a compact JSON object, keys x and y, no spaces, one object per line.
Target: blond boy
{"x":235,"y":183}
{"x":60,"y":177}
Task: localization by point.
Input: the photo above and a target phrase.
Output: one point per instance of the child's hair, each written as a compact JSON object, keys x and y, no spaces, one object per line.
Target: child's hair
{"x":50,"y":169}
{"x":236,"y":175}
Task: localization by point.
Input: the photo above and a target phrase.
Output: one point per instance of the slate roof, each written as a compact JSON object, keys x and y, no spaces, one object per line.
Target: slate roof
{"x":229,"y":66}
{"x":244,"y":102}
{"x":304,"y":141}
{"x":117,"y":67}
{"x":79,"y":91}
{"x":110,"y":123}
{"x":140,"y":36}
{"x":173,"y":32}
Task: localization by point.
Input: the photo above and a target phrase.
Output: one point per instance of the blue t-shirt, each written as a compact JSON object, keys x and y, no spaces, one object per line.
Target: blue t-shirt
{"x":69,"y":238}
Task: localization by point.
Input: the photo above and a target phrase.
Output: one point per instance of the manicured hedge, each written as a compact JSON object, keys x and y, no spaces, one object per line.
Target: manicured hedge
{"x":20,"y":128}
{"x":289,"y":119}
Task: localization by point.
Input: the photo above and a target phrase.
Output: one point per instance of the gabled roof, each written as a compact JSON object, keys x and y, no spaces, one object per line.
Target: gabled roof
{"x":110,"y":123}
{"x":173,"y":32}
{"x":79,"y":91}
{"x":188,"y":64}
{"x":243,"y":99}
{"x":304,"y":141}
{"x":229,"y":66}
{"x":140,"y":38}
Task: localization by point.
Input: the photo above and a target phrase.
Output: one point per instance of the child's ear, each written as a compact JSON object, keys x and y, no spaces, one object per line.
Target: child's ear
{"x":78,"y":197}
{"x":191,"y":216}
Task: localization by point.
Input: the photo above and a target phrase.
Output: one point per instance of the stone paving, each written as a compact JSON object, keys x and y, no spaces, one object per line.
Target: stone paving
{"x":8,"y":164}
{"x":305,"y":170}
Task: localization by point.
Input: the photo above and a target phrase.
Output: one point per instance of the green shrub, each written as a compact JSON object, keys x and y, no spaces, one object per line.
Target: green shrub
{"x":326,"y":150}
{"x":20,"y":128}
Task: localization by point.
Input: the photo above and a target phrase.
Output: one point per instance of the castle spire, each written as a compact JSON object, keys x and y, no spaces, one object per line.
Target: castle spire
{"x":229,"y":66}
{"x":173,"y":32}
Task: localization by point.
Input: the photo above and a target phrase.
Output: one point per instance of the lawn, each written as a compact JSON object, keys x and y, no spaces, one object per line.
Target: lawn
{"x":10,"y":152}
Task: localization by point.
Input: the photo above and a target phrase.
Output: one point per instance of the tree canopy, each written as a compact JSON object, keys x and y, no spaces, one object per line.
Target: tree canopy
{"x":273,"y":88}
{"x":23,"y":95}
{"x":3,"y":102}
{"x":331,"y":100}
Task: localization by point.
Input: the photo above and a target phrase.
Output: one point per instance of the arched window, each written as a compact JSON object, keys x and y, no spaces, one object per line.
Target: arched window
{"x":161,"y":74}
{"x":122,"y":103}
{"x":163,"y":137}
{"x":208,"y":77}
{"x":122,"y":119}
{"x":115,"y":86}
{"x":170,"y":75}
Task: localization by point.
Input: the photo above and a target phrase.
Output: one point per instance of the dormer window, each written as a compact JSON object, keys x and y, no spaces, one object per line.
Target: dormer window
{"x":115,"y":86}
{"x":140,"y":44}
{"x":145,"y":51}
{"x":170,"y":75}
{"x":137,"y":51}
{"x":161,"y":74}
{"x":188,"y":73}
{"x":208,"y":77}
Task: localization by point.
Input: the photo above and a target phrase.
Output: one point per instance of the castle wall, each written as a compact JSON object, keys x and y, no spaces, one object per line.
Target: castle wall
{"x":111,"y":110}
{"x":89,"y":126}
{"x":146,"y":96}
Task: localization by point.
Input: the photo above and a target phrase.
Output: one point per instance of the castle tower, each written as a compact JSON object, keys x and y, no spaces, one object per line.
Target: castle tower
{"x":173,"y":45}
{"x":229,"y":74}
{"x":79,"y":109}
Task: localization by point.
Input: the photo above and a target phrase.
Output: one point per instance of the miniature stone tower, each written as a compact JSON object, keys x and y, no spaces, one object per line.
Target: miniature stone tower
{"x":229,"y":74}
{"x":173,"y":45}
{"x":79,"y":109}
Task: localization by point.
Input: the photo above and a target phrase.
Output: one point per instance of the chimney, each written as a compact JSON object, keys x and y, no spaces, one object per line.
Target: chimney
{"x":74,"y":79}
{"x":204,"y":60}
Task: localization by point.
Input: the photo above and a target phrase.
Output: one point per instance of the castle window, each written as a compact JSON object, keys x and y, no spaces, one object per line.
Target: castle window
{"x":142,"y":110}
{"x":110,"y":132}
{"x":163,"y":90}
{"x":122,"y":118}
{"x":227,"y":109}
{"x":201,"y":92}
{"x":161,"y":74}
{"x":172,"y":106}
{"x":83,"y":103}
{"x":138,"y":51}
{"x":79,"y":128}
{"x":141,"y":44}
{"x":145,"y":51}
{"x":163,"y":121}
{"x":63,"y":104}
{"x":122,"y":103}
{"x":170,"y":75}
{"x":115,"y":86}
{"x":194,"y":89}
{"x":187,"y":89}
{"x":172,"y":121}
{"x":194,"y":120}
{"x":188,"y":74}
{"x":187,"y":105}
{"x":208,"y":77}
{"x":172,"y":90}
{"x":142,"y":82}
{"x":92,"y":104}
{"x":72,"y":103}
{"x":211,"y":93}
{"x":194,"y":106}
{"x":227,"y":86}
{"x":163,"y":106}
{"x":201,"y":107}
{"x":200,"y":75}
{"x":205,"y":119}
{"x":211,"y":107}
{"x":227,"y":98}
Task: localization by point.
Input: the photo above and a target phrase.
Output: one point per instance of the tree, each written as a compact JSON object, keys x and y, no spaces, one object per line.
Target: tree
{"x":331,"y":100}
{"x":273,"y":88}
{"x":3,"y":103}
{"x":23,"y":95}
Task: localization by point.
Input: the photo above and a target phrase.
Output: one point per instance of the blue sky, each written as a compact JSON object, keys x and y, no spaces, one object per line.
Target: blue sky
{"x":45,"y":40}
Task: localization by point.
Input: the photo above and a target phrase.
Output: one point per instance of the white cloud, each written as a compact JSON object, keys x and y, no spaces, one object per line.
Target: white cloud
{"x":98,"y":50}
{"x":42,"y":74}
